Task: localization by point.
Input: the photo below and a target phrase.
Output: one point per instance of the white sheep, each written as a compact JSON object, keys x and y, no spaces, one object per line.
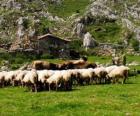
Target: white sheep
{"x":2,"y":78}
{"x":31,"y":80}
{"x":17,"y":80}
{"x":10,"y":76}
{"x":110,"y":68}
{"x":100,"y":74}
{"x":75,"y":75}
{"x":55,"y":80}
{"x":43,"y":75}
{"x":86,"y":75}
{"x":67,"y":79}
{"x":118,"y":73}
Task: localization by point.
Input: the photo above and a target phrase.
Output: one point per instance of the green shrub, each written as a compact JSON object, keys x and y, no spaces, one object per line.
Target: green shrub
{"x":135,"y":44}
{"x":44,"y":26}
{"x":47,"y":56}
{"x":19,"y":60}
{"x":15,"y":66}
{"x":76,"y":44}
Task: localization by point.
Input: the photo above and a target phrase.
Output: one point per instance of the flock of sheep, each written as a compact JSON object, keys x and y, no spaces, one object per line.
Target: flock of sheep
{"x":63,"y":79}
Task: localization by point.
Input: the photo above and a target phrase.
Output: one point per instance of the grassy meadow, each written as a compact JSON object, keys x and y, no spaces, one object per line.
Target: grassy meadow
{"x":98,"y":100}
{"x":91,"y":100}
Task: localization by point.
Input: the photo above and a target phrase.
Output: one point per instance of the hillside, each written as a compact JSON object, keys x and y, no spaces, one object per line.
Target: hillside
{"x":107,"y":21}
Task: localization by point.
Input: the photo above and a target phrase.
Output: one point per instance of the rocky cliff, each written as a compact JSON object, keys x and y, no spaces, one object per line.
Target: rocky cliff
{"x":106,"y":21}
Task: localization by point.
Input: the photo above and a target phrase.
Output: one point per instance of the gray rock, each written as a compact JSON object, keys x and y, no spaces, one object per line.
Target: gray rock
{"x":88,"y":41}
{"x":20,"y":32}
{"x":127,"y":23}
{"x":31,"y":32}
{"x":99,"y":8}
{"x":79,"y":29}
{"x":57,"y":2}
{"x":137,"y":31}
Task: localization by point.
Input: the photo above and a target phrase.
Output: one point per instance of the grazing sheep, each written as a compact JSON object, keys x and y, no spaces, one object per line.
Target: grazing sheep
{"x":120,"y":72}
{"x":17,"y":80}
{"x":43,"y":75}
{"x":76,"y":65}
{"x":67,"y":79}
{"x":10,"y":76}
{"x":31,"y":80}
{"x":72,"y":64}
{"x":2,"y":78}
{"x":40,"y":65}
{"x":100,"y":74}
{"x":90,"y":65}
{"x":55,"y":80}
{"x":75,"y":76}
{"x":86,"y":75}
{"x":66,"y":65}
{"x":110,"y":68}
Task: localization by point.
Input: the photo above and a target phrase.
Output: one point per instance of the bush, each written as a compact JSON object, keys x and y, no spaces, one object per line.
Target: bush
{"x":44,"y":26}
{"x":76,"y":45}
{"x":135,"y":44}
{"x":47,"y":56}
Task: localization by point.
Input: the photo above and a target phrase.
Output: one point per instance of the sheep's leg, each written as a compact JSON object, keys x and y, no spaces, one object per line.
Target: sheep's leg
{"x":124,"y":79}
{"x":113,"y":80}
{"x":125,"y":76}
{"x":65,"y":86}
{"x":22,"y":84}
{"x":56,"y":86}
{"x":100,"y":80}
{"x":35,"y":86}
{"x":87,"y":81}
{"x":95,"y":79}
{"x":13,"y":83}
{"x":90,"y":81}
{"x":49,"y":87}
{"x":70,"y":86}
{"x":44,"y":86}
{"x":0,"y":85}
{"x":117,"y":79}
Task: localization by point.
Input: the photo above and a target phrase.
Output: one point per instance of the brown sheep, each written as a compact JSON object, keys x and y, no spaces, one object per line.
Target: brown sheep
{"x":77,"y":64}
{"x":40,"y":65}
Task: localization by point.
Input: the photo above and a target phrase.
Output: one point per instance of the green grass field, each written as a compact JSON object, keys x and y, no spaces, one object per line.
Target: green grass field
{"x":92,"y":100}
{"x":98,"y":100}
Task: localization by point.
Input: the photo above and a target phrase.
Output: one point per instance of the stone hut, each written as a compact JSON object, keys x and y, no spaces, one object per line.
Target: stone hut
{"x":51,"y":44}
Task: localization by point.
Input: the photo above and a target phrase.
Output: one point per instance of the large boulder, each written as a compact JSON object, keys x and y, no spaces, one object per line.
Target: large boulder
{"x":89,"y":41}
{"x":79,"y":30}
{"x":100,"y":8}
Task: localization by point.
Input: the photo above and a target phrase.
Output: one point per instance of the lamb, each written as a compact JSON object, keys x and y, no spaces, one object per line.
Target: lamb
{"x":120,"y":72}
{"x":31,"y":80}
